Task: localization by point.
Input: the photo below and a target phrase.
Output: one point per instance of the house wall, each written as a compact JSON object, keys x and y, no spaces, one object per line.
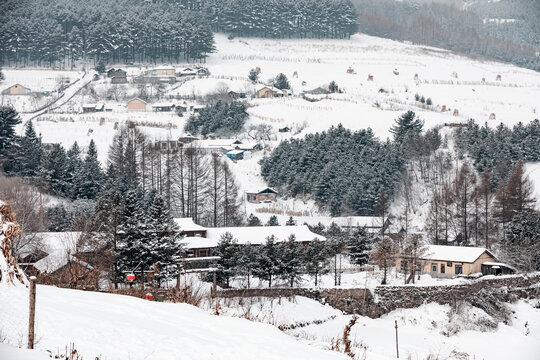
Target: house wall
{"x":265,"y":93}
{"x":17,"y":90}
{"x":72,"y":275}
{"x":160,"y":72}
{"x":257,"y":198}
{"x":136,"y":105}
{"x":450,"y":266}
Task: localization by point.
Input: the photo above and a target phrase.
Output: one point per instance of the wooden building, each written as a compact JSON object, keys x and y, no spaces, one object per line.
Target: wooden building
{"x":188,"y":228}
{"x":450,"y":261}
{"x":266,"y":92}
{"x":119,"y":80}
{"x":90,"y":108}
{"x":116,"y":72}
{"x":136,"y":104}
{"x":163,"y":107}
{"x":16,"y":89}
{"x":265,"y":195}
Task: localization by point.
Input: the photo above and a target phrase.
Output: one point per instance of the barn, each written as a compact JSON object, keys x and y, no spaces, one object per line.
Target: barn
{"x":136,"y":104}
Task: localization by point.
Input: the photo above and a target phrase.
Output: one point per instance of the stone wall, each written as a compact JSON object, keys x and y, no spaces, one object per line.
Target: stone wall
{"x":486,"y":293}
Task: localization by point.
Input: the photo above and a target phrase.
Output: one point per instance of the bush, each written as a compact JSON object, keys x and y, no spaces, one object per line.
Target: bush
{"x":428,"y":101}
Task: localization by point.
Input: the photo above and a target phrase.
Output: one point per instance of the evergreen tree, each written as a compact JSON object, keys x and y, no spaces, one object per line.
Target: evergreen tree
{"x":521,"y":245}
{"x":273,"y":221}
{"x":407,"y":127}
{"x":281,"y":82}
{"x":163,"y":239}
{"x":9,"y":118}
{"x":58,"y":219}
{"x":227,"y":250}
{"x":359,"y":245}
{"x":32,"y":152}
{"x":316,"y":259}
{"x":2,"y":77}
{"x":333,"y":87}
{"x":133,"y":249}
{"x":253,"y":221}
{"x":269,"y":261}
{"x":253,"y":76}
{"x":53,"y":171}
{"x":92,"y":178}
{"x":292,"y":260}
{"x":247,"y":262}
{"x":74,"y":169}
{"x":290,"y":222}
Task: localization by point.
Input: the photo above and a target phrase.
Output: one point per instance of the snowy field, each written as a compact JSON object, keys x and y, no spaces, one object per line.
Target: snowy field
{"x":121,"y":327}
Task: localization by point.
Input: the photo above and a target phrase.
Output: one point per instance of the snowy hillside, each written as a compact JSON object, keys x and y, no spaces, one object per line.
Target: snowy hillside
{"x":122,"y":327}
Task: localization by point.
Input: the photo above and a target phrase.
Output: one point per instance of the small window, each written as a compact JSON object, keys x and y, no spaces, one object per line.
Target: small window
{"x":434,"y":267}
{"x":459,"y":269}
{"x":442,"y":269}
{"x":203,"y":253}
{"x":448,"y":264}
{"x":403,"y":265}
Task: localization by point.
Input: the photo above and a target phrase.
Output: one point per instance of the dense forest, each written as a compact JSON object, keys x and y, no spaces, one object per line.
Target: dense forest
{"x":62,"y":32}
{"x":500,"y":148}
{"x":346,"y":171}
{"x":457,"y":29}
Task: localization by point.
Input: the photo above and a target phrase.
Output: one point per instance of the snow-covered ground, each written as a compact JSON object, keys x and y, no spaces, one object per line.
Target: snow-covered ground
{"x":118,"y":327}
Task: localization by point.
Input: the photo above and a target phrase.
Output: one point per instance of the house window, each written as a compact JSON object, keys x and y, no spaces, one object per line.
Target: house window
{"x":459,"y":269}
{"x":442,"y":269}
{"x":434,"y":267}
{"x":403,"y":265}
{"x":449,"y":264}
{"x":203,"y":253}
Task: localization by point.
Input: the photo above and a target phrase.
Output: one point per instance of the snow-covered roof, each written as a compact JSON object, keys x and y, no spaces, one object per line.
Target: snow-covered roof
{"x":187,"y":224}
{"x":163,"y":105}
{"x":454,"y":253}
{"x":137,"y":99}
{"x":257,"y":234}
{"x":357,"y":221}
{"x":197,"y":242}
{"x":235,"y":152}
{"x":56,"y":260}
{"x":215,"y":143}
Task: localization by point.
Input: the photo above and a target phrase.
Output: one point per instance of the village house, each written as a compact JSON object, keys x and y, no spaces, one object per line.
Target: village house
{"x":266,"y":195}
{"x":444,"y":261}
{"x":188,"y":228}
{"x":266,"y":92}
{"x":235,"y":154}
{"x":254,"y":235}
{"x":16,"y":89}
{"x":163,"y":107}
{"x":116,"y":72}
{"x":187,"y":139}
{"x":136,"y":104}
{"x":162,"y":71}
{"x":90,"y":108}
{"x":119,"y":80}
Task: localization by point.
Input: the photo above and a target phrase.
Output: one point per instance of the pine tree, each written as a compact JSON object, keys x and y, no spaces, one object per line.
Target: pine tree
{"x":132,"y":243}
{"x":333,"y":87}
{"x":316,"y":259}
{"x":290,"y":222}
{"x":163,"y":239}
{"x":521,"y":244}
{"x":253,"y":75}
{"x":74,"y":169}
{"x":269,"y":261}
{"x":253,"y":221}
{"x":32,"y":152}
{"x":91,"y":179}
{"x":53,"y":171}
{"x":281,"y":82}
{"x":9,"y":118}
{"x":228,"y":251}
{"x":247,"y":262}
{"x":359,"y":245}
{"x":272,"y":221}
{"x":292,"y":261}
{"x":407,"y":127}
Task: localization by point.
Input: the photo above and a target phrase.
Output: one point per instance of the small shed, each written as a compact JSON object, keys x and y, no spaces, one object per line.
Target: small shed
{"x":90,"y":108}
{"x":117,"y":79}
{"x":116,"y":72}
{"x":136,"y":104}
{"x":236,"y":154}
{"x":17,"y":89}
{"x":163,"y":107}
{"x":265,"y":195}
{"x":284,"y":129}
{"x":266,"y":92}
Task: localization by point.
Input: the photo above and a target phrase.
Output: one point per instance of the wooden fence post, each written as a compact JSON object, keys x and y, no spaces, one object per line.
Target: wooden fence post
{"x":32,"y":312}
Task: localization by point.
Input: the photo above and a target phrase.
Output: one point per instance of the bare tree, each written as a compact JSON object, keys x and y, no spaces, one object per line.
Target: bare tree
{"x":384,"y":254}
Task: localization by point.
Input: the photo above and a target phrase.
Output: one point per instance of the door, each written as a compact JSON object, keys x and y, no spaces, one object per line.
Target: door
{"x":442,"y":268}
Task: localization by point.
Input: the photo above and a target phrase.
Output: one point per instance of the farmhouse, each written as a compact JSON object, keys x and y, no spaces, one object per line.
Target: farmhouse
{"x":187,"y":139}
{"x":116,"y":72}
{"x":188,"y":228}
{"x":254,"y":235}
{"x":235,"y":154}
{"x":267,"y":92}
{"x":90,"y":108}
{"x":163,"y":107}
{"x":450,"y":261}
{"x":136,"y":104}
{"x":119,"y":80}
{"x":265,"y":195}
{"x":16,"y":89}
{"x":162,"y":71}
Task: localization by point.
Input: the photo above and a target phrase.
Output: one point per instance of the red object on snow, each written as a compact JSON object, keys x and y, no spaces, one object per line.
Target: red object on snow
{"x":149,"y":296}
{"x":130,"y":277}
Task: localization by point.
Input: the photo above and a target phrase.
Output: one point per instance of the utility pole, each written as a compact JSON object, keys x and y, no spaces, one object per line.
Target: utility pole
{"x":397,"y":347}
{"x":32,"y":312}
